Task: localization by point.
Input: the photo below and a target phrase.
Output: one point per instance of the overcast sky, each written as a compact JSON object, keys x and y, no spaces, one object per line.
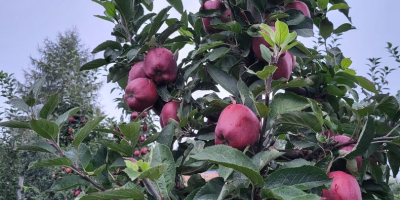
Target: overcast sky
{"x":25,"y":24}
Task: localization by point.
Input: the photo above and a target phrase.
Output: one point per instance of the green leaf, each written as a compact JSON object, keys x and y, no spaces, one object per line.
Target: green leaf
{"x":366,"y":84}
{"x":84,"y":155}
{"x":210,"y":190}
{"x":38,"y":146}
{"x":217,"y":53}
{"x":37,"y":86}
{"x":365,"y":139}
{"x":297,"y":82}
{"x":170,"y":30}
{"x":49,"y":107}
{"x":20,"y":104}
{"x":62,"y":118}
{"x":281,"y":32}
{"x":232,"y":158}
{"x":15,"y":124}
{"x":166,"y":136}
{"x":115,"y":194}
{"x":301,"y":119}
{"x":206,"y":47}
{"x":48,"y":163}
{"x":158,"y":21}
{"x":107,"y":44}
{"x":97,"y":171}
{"x":325,"y":28}
{"x":44,"y":128}
{"x":332,"y":89}
{"x":293,"y":44}
{"x":224,"y":79}
{"x":125,"y":8}
{"x":323,"y":4}
{"x":68,"y":182}
{"x":389,"y":105}
{"x":154,"y":173}
{"x":177,"y":4}
{"x":345,"y":63}
{"x":266,"y":72}
{"x":303,"y":178}
{"x":266,"y":54}
{"x":84,"y":131}
{"x":260,"y":6}
{"x":161,"y":154}
{"x":288,"y":193}
{"x":267,"y":37}
{"x":339,"y":6}
{"x":94,"y":64}
{"x":233,"y":26}
{"x":343,"y":28}
{"x":287,"y":102}
{"x":263,"y":158}
{"x":123,"y":149}
{"x":262,"y":109}
{"x":131,"y":132}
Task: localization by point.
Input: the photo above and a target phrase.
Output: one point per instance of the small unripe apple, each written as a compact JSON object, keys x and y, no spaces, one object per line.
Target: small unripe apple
{"x":344,"y":187}
{"x":70,"y":131}
{"x":285,"y":67}
{"x":169,"y":111}
{"x":68,"y":170}
{"x":134,"y":115}
{"x":237,"y":127}
{"x":53,"y":176}
{"x":137,"y":72}
{"x":211,"y":5}
{"x":144,"y":127}
{"x":299,"y":5}
{"x":143,"y":151}
{"x":71,"y":119}
{"x":142,"y":138}
{"x":71,"y":139}
{"x":140,"y":94}
{"x":77,"y":192}
{"x":160,"y":65}
{"x":62,"y":168}
{"x":136,"y":153}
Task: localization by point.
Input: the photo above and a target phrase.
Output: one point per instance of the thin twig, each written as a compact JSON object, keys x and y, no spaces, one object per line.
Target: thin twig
{"x":151,"y":189}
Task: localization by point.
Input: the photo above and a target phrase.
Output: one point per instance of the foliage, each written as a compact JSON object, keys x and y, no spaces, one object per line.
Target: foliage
{"x":293,"y":152}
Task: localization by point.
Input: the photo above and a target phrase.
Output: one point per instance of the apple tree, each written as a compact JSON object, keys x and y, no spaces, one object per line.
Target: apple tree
{"x":292,"y":125}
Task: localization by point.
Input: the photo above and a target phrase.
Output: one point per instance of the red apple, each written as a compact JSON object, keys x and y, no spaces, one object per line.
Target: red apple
{"x":62,"y":168}
{"x":137,"y":72}
{"x":257,"y":41}
{"x":299,"y":5}
{"x":71,"y":119}
{"x":140,"y":94}
{"x":136,"y":153}
{"x":226,"y":16}
{"x":77,"y":192}
{"x":53,"y":176}
{"x":144,"y":127}
{"x":142,"y":138}
{"x":144,"y":115}
{"x":160,"y":65}
{"x":70,"y":131}
{"x":143,"y":151}
{"x":344,"y":187}
{"x":134,"y":115}
{"x":169,"y":111}
{"x":68,"y":170}
{"x":285,"y":66}
{"x":237,"y":127}
{"x":211,"y":5}
{"x":71,"y":139}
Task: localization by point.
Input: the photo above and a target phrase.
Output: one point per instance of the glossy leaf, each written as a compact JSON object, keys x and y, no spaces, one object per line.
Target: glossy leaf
{"x":44,"y":128}
{"x":49,"y":107}
{"x":84,"y":131}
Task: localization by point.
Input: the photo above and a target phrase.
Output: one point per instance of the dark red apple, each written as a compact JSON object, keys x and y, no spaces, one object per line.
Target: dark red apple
{"x":211,"y":5}
{"x":136,"y":153}
{"x":70,"y":131}
{"x":169,"y":111}
{"x":237,"y":127}
{"x":344,"y":187}
{"x":160,"y":65}
{"x":142,"y":138}
{"x":285,"y":67}
{"x":71,"y":119}
{"x":77,"y":192}
{"x":71,"y":139}
{"x":299,"y":5}
{"x":226,"y":15}
{"x":137,"y":72}
{"x":140,"y":94}
{"x":144,"y":127}
{"x":134,"y":115}
{"x":257,"y":41}
{"x":143,"y":151}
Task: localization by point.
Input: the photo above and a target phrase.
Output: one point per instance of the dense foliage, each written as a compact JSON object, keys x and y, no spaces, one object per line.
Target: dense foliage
{"x":313,"y":123}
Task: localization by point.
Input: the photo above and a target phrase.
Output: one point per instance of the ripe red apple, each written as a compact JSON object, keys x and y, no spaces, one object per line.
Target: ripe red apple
{"x":169,"y":111}
{"x":142,"y":138}
{"x":344,"y":187}
{"x":70,"y":131}
{"x":77,"y":192}
{"x":211,"y":5}
{"x":68,"y":170}
{"x":237,"y":127}
{"x":136,"y":153}
{"x":140,"y":94}
{"x":134,"y":115}
{"x":137,"y":72}
{"x":144,"y":127}
{"x":285,"y":66}
{"x":143,"y":151}
{"x":256,"y":42}
{"x":71,"y":119}
{"x":160,"y":65}
{"x":299,"y":5}
{"x":226,"y":15}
